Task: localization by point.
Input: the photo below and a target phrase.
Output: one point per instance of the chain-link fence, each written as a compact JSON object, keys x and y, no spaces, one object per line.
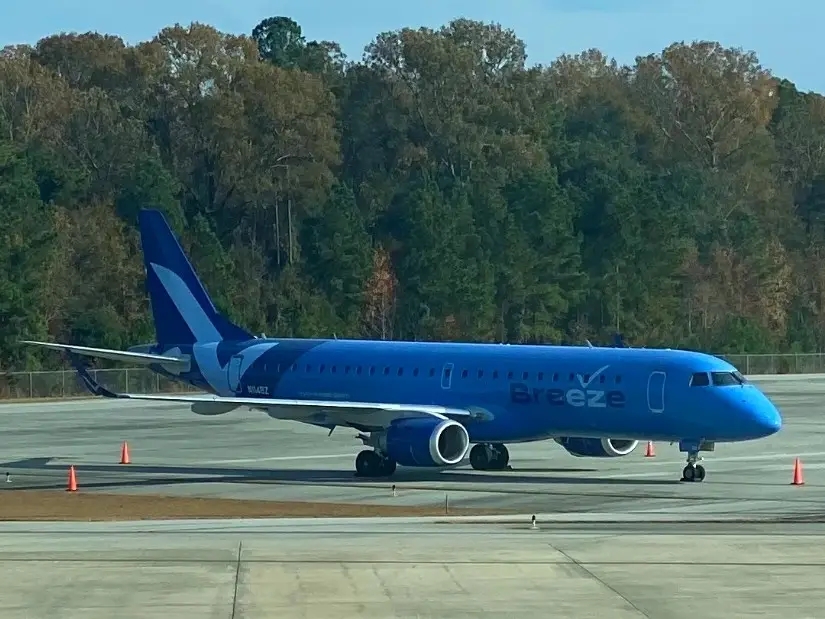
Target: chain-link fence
{"x":66,"y":384}
{"x":802,"y":363}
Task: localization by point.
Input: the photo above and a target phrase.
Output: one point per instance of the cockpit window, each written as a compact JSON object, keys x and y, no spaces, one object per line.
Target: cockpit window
{"x":723,"y":379}
{"x":700,"y":379}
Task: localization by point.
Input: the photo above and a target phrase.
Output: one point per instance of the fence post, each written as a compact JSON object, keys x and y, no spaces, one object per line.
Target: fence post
{"x":748,"y":365}
{"x":126,"y":380}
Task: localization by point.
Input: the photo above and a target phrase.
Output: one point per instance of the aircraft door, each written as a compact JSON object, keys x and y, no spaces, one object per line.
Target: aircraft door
{"x":656,"y":392}
{"x":233,"y":372}
{"x":447,"y":376}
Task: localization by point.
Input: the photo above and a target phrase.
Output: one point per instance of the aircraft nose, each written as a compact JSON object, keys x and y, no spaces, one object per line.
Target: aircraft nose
{"x":763,"y":415}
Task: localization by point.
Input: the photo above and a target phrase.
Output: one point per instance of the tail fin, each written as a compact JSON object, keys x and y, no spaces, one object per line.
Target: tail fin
{"x":181,"y":308}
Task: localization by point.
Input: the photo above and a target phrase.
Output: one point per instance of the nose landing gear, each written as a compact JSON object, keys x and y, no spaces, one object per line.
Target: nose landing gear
{"x":694,"y":471}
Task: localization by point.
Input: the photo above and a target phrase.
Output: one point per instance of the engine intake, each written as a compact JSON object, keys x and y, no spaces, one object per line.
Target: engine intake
{"x":423,"y":441}
{"x":597,"y":447}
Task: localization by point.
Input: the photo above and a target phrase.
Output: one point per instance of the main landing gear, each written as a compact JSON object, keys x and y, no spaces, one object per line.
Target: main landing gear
{"x":370,"y":463}
{"x":489,"y":457}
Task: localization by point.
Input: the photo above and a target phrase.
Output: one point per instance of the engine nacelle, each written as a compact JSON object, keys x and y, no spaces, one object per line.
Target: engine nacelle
{"x":597,"y":447}
{"x":426,"y":441}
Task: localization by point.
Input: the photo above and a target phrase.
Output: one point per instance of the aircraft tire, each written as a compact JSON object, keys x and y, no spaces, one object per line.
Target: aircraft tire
{"x":501,"y":458}
{"x":369,"y":463}
{"x":479,"y":458}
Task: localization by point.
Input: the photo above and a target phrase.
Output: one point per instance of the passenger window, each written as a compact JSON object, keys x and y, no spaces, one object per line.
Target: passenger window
{"x":525,"y":375}
{"x":415,"y":372}
{"x":541,"y":375}
{"x":432,"y":372}
{"x":509,"y":375}
{"x":555,"y":376}
{"x":480,"y":373}
{"x":700,"y":379}
{"x":464,"y":374}
{"x":372,"y":370}
{"x":358,"y":370}
{"x":332,"y":369}
{"x":400,"y":371}
{"x":618,"y":379}
{"x":386,"y":371}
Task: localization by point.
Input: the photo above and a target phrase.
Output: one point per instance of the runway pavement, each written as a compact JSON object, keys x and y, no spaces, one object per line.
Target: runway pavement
{"x":385,"y":569}
{"x":618,"y":537}
{"x":248,"y":455}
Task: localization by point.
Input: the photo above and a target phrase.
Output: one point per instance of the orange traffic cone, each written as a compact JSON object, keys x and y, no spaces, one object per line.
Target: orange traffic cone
{"x":797,"y":474}
{"x":650,"y":452}
{"x":124,"y":454}
{"x":72,"y":480}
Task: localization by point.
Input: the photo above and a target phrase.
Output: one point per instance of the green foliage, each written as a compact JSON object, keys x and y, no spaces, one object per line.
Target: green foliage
{"x":437,"y":189}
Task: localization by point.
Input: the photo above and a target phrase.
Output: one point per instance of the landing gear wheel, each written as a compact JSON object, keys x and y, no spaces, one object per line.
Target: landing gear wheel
{"x":485,"y":457}
{"x":693,"y":472}
{"x":369,"y":463}
{"x":502,"y":457}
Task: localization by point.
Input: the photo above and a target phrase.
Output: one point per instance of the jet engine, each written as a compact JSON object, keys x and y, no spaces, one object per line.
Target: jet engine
{"x":425,"y":441}
{"x":597,"y":447}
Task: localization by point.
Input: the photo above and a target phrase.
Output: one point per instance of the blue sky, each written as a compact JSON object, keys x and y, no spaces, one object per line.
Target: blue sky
{"x":787,"y":41}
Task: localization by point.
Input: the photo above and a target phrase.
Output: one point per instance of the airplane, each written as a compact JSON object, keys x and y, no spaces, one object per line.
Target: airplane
{"x":430,"y":404}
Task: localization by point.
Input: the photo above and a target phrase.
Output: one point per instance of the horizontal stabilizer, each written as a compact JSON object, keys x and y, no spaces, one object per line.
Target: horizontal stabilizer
{"x":113,"y":355}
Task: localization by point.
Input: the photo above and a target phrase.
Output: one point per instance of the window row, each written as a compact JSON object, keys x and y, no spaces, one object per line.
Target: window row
{"x":447,"y":373}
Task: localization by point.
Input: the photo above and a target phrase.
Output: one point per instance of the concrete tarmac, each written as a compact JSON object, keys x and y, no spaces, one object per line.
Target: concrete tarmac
{"x":617,"y":537}
{"x":383,"y":569}
{"x":247,"y":455}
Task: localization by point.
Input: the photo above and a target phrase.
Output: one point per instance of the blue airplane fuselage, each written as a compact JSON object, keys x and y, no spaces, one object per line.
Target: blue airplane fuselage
{"x":522,"y":393}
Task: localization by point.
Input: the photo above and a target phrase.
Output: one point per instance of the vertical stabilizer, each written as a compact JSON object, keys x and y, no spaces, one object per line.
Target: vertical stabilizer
{"x":182,"y":310}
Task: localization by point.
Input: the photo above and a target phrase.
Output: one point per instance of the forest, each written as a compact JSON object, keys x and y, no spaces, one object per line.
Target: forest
{"x":440,"y":187}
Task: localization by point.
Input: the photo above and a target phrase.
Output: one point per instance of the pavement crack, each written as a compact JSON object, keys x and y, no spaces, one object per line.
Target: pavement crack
{"x":603,"y":583}
{"x":237,"y":580}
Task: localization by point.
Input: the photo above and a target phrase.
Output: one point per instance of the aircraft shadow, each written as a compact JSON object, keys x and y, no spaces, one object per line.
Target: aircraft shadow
{"x":117,"y":475}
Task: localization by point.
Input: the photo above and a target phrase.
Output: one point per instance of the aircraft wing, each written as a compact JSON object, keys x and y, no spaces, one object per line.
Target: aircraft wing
{"x":316,"y":412}
{"x":363,"y":412}
{"x":113,"y":355}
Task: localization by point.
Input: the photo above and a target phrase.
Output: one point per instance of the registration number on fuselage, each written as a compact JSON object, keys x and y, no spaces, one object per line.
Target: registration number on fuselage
{"x":257,"y":389}
{"x":579,"y":398}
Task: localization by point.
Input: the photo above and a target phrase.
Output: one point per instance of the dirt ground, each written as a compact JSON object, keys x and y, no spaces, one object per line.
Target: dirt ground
{"x":78,"y":506}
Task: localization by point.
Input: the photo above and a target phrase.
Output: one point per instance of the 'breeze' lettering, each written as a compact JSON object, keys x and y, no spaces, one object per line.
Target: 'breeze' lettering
{"x":521,"y":393}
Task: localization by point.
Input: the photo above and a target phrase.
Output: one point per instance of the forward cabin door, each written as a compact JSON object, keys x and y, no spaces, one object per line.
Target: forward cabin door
{"x":656,"y":392}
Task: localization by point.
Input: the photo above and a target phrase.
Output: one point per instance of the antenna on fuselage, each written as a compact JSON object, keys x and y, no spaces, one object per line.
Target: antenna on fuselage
{"x":589,"y":345}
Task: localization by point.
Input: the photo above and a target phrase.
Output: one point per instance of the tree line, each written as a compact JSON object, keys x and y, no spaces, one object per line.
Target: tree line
{"x":438,"y":188}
